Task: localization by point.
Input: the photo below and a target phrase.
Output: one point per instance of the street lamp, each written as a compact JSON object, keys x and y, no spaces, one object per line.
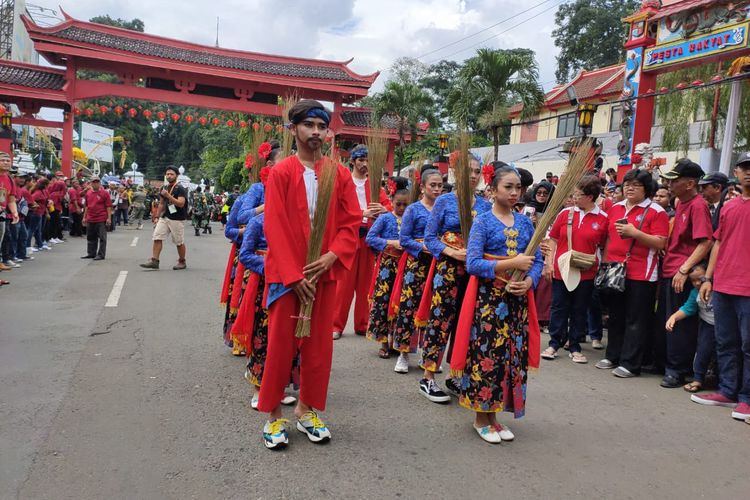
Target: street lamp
{"x":443,"y":143}
{"x":586,"y":114}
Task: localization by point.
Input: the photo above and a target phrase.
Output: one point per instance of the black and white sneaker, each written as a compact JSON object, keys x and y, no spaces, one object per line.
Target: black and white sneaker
{"x":432,"y":391}
{"x":451,"y":385}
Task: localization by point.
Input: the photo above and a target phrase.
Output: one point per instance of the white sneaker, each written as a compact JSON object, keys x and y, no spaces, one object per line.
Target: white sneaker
{"x":336,"y":335}
{"x":55,"y":241}
{"x":311,"y":424}
{"x":288,"y":400}
{"x":46,"y":247}
{"x":13,"y":263}
{"x":402,"y":363}
{"x":488,"y":433}
{"x":34,"y":250}
{"x":254,"y":401}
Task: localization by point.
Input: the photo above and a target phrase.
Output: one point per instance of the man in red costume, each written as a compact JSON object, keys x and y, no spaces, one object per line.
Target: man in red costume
{"x":358,"y":281}
{"x":291,"y":195}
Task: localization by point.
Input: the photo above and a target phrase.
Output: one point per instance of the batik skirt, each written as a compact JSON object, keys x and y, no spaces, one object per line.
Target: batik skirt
{"x":497,"y":360}
{"x":229,"y":317}
{"x":379,"y":327}
{"x":415,"y":276}
{"x":448,"y":288}
{"x":259,"y":339}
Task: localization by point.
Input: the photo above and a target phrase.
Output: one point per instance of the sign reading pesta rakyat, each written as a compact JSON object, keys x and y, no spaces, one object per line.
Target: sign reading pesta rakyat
{"x":717,"y":42}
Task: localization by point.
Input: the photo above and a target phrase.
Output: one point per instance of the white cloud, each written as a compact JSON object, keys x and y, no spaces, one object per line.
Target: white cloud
{"x":373,"y":32}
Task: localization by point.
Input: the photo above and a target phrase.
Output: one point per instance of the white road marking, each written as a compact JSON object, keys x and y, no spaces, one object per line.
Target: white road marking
{"x":114,"y":295}
{"x":134,"y":242}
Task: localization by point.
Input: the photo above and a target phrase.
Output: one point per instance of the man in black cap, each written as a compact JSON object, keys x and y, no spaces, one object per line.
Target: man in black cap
{"x":689,"y":244}
{"x":711,"y":187}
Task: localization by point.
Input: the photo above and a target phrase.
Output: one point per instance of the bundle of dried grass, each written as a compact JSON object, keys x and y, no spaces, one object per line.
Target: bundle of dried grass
{"x":257,"y":137}
{"x":287,"y":140}
{"x":580,"y":162}
{"x":326,"y":184}
{"x":463,"y":188}
{"x":415,"y":179}
{"x":377,"y":155}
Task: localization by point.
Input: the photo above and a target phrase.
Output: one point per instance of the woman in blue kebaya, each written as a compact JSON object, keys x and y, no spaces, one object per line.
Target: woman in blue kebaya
{"x":404,"y":305}
{"x":383,"y":239}
{"x":491,"y":352}
{"x":445,"y":242}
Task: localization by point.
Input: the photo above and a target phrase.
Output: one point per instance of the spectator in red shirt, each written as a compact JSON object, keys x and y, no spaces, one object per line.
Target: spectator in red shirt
{"x":74,"y":209}
{"x":637,"y":231}
{"x":8,"y":207}
{"x":689,"y":243}
{"x":726,"y":284}
{"x":57,"y":191}
{"x":37,"y":214}
{"x":97,"y":215}
{"x":587,"y":224}
{"x":24,"y":207}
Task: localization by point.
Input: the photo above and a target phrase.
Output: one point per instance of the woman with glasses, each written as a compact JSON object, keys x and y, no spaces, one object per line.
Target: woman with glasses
{"x":637,"y":231}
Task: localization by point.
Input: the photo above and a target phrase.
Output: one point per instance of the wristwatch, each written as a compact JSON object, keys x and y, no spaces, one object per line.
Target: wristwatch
{"x":706,"y":280}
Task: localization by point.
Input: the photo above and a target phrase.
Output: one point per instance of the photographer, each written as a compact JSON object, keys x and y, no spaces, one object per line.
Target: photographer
{"x":170,"y":220}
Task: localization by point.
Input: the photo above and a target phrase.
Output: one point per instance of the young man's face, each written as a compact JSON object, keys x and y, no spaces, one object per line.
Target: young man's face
{"x":5,"y":163}
{"x":310,"y":133}
{"x":360,"y":165}
{"x":171,"y":176}
{"x":742,"y":172}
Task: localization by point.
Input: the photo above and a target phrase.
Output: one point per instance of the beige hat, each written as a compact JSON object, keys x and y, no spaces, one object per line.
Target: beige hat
{"x":571,"y":276}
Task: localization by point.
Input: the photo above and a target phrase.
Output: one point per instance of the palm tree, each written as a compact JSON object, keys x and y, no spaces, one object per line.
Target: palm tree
{"x":490,"y":83}
{"x":410,"y":104}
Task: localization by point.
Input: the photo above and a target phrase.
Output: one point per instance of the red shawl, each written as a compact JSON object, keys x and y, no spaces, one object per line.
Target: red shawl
{"x":243,"y":326}
{"x":224,"y":298}
{"x":234,"y":303}
{"x":395,"y":303}
{"x":423,"y":313}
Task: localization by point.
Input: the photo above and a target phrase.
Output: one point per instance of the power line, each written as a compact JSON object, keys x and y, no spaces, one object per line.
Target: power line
{"x":502,"y":32}
{"x":482,"y":30}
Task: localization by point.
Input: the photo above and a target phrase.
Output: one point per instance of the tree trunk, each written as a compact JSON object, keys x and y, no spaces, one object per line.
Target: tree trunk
{"x":496,"y":140}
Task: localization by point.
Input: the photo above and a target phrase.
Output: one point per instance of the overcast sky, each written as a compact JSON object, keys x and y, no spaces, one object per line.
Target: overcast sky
{"x":373,"y":32}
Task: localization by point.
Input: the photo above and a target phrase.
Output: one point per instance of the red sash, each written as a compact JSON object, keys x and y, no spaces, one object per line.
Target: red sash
{"x":224,"y":298}
{"x":466,"y":319}
{"x":423,"y":313}
{"x":234,"y":303}
{"x":395,"y":303}
{"x":243,"y":326}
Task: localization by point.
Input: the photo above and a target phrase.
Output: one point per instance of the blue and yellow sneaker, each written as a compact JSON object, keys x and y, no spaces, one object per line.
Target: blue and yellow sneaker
{"x":275,"y":435}
{"x":313,"y":426}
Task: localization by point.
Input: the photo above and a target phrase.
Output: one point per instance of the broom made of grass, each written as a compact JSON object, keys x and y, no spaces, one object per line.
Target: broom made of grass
{"x":257,"y":138}
{"x":463,"y":189}
{"x":377,"y":155}
{"x":287,"y":139}
{"x":326,"y":183}
{"x":579,"y":163}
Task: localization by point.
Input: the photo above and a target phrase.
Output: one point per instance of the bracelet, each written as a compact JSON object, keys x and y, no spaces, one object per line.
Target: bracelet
{"x":680,"y":271}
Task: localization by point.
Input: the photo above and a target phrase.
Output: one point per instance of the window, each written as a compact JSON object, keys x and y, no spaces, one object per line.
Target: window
{"x":615,"y":118}
{"x":567,"y":125}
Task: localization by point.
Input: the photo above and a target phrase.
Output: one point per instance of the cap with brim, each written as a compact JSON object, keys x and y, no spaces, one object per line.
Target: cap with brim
{"x":743,"y":160}
{"x":570,"y":275}
{"x":95,"y":178}
{"x":684,"y":168}
{"x":714,"y":178}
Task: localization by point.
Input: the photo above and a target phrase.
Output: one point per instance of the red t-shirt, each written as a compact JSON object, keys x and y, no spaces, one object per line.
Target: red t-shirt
{"x":97,"y":203}
{"x":74,"y":201}
{"x":589,"y":236}
{"x":732,"y":264}
{"x":692,"y":223}
{"x":57,"y":190}
{"x":40,"y":197}
{"x":22,"y":192}
{"x":643,"y":264}
{"x":7,"y":189}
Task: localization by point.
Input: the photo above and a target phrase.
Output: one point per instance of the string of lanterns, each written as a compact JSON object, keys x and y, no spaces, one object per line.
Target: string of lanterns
{"x":161,"y":115}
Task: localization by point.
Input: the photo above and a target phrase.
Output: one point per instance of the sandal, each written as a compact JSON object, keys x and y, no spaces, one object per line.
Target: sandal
{"x":693,"y":386}
{"x":578,"y":357}
{"x":384,"y":353}
{"x":549,"y":353}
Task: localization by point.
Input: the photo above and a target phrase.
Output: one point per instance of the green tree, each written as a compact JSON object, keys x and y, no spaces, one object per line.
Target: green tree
{"x":410,"y":104}
{"x":133,"y":24}
{"x":439,"y":79}
{"x":233,"y":174}
{"x":590,"y":34}
{"x":490,"y":83}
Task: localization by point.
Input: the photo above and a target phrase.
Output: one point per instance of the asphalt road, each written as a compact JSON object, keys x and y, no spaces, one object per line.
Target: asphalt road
{"x":143,"y":401}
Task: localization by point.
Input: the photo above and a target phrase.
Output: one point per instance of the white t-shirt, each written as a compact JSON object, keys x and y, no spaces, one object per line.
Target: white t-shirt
{"x":361,"y":194}
{"x":311,"y":189}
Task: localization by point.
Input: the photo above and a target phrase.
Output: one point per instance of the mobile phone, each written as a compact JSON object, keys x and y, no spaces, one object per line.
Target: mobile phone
{"x":621,"y":221}
{"x":529,"y":211}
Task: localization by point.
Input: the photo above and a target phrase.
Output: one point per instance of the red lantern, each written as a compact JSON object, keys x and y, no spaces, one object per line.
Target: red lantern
{"x":76,"y":111}
{"x":118,"y":110}
{"x":243,"y":124}
{"x":89,"y":112}
{"x":103,"y":109}
{"x":717,"y":78}
{"x":133,"y":112}
{"x":697,"y":83}
{"x":161,"y":115}
{"x":256,"y":126}
{"x":664,"y":90}
{"x":279,"y":128}
{"x":267,"y":127}
{"x":175,"y":117}
{"x":3,"y":109}
{"x":230,"y":123}
{"x":203,"y":120}
{"x":681,"y":86}
{"x":215,"y":122}
{"x":189,"y":119}
{"x":147,"y":113}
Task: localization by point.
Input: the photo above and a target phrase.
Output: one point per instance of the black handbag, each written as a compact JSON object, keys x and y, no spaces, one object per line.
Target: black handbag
{"x":611,"y":275}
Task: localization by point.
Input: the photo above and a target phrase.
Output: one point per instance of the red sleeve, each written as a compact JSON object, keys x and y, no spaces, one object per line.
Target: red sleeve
{"x":385,"y":201}
{"x":554,"y":233}
{"x":348,"y":217}
{"x":279,"y":228}
{"x":660,"y":224}
{"x":701,"y":222}
{"x":107,"y":200}
{"x":604,"y":230}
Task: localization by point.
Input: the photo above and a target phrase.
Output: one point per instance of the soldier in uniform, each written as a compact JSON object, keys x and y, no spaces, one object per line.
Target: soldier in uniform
{"x":200,"y":210}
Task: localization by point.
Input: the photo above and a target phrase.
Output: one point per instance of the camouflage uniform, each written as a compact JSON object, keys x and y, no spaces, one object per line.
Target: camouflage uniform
{"x":200,"y":211}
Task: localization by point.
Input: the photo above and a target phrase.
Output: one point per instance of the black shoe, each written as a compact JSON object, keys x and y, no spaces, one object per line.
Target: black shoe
{"x":88,"y":256}
{"x":197,"y":233}
{"x":360,"y":333}
{"x":432,"y":391}
{"x":451,"y":385}
{"x":653,"y":370}
{"x":98,"y":257}
{"x":671,"y":382}
{"x":209,"y":231}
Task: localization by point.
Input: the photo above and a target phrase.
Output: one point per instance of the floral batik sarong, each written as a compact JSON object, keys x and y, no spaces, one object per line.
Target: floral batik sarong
{"x":415,"y":276}
{"x":379,"y":327}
